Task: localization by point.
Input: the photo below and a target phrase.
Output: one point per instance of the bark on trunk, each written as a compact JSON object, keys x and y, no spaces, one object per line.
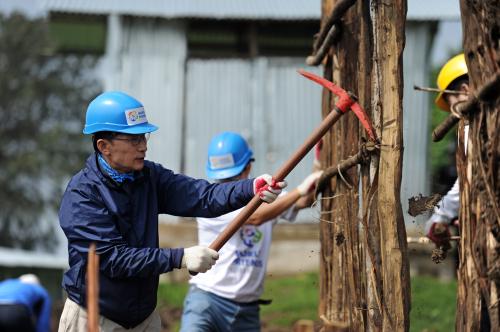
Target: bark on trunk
{"x":364,"y":279}
{"x":479,"y":271}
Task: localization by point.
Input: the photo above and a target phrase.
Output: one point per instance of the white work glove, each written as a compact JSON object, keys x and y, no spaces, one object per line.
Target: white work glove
{"x":267,"y":188}
{"x":199,"y":258}
{"x":309,"y":183}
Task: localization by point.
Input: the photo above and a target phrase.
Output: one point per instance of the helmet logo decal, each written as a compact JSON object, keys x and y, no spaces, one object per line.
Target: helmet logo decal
{"x":136,"y":116}
{"x":222,"y":161}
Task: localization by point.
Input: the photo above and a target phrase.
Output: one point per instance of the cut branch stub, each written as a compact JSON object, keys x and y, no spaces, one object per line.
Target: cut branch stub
{"x":316,"y":58}
{"x":328,"y":33}
{"x":337,"y":12}
{"x":362,"y":156}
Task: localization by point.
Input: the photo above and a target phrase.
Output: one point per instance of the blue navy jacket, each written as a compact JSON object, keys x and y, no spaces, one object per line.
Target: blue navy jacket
{"x":34,"y":297}
{"x":122,"y":220}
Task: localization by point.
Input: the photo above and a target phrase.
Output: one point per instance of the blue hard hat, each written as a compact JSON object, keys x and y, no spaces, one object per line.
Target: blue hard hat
{"x":228,"y":154}
{"x":118,"y":112}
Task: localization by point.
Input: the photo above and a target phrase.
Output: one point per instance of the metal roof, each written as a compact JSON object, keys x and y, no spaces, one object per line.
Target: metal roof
{"x":17,"y":257}
{"x":433,"y":10}
{"x":218,"y":9}
{"x":237,"y":9}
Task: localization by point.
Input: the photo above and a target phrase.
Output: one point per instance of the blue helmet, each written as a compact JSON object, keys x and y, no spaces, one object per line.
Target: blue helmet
{"x":228,"y":154}
{"x":118,"y":112}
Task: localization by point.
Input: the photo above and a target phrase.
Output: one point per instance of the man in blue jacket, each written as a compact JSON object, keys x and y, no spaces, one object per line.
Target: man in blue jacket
{"x":114,"y":202}
{"x":24,"y":305}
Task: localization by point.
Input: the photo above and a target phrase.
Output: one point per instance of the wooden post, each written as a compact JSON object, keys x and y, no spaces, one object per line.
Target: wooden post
{"x":364,"y":279}
{"x":389,"y":38}
{"x":340,"y":290}
{"x":478,"y":307}
{"x":93,"y":290}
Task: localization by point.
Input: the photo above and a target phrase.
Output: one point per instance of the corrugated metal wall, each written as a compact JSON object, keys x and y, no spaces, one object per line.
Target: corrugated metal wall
{"x":146,"y":58}
{"x":416,"y":68}
{"x":266,"y":101}
{"x":218,"y":98}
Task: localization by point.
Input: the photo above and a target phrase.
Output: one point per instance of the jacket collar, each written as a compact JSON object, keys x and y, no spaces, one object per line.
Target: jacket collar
{"x":92,"y":164}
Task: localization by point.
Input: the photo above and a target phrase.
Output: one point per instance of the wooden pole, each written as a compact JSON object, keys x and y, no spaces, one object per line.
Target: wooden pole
{"x":388,"y":19}
{"x":341,"y":288}
{"x":364,"y":271}
{"x":93,"y":290}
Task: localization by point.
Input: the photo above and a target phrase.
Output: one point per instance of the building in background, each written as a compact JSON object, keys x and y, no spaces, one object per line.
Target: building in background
{"x":202,"y":67}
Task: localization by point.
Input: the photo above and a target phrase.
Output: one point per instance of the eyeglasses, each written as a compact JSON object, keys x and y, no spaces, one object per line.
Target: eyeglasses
{"x":135,"y":140}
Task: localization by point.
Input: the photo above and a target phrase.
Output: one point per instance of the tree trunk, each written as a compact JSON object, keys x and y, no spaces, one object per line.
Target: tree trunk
{"x":479,"y":270}
{"x":364,"y":279}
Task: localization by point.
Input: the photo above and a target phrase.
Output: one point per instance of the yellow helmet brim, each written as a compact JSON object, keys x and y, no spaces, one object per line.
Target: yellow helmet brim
{"x":453,"y":69}
{"x":441,"y":103}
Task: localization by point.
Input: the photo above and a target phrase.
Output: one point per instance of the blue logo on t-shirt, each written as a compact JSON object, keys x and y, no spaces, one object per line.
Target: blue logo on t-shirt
{"x":250,"y":235}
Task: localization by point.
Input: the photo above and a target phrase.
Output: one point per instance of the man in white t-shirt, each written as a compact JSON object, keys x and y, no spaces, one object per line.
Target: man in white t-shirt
{"x":226,"y":298}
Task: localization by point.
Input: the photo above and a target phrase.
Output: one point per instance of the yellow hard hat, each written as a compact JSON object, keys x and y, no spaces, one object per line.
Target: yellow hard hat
{"x":453,"y":69}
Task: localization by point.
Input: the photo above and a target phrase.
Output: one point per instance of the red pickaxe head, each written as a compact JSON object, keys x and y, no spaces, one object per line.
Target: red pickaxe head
{"x":346,"y":101}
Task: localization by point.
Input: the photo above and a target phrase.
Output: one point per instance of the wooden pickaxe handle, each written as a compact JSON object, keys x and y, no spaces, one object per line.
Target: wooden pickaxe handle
{"x":280,"y":175}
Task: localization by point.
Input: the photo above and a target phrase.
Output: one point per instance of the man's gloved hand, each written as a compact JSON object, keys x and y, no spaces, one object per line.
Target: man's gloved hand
{"x":439,"y":234}
{"x":309,"y":184}
{"x":267,"y":188}
{"x":199,"y":258}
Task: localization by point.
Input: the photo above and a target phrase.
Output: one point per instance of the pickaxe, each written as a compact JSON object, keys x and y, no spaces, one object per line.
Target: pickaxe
{"x":345,"y":102}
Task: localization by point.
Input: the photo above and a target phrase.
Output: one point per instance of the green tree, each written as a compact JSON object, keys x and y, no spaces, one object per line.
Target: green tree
{"x":43,"y":96}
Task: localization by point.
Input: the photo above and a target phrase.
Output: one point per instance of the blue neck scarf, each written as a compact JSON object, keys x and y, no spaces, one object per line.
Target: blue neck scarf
{"x":114,"y":174}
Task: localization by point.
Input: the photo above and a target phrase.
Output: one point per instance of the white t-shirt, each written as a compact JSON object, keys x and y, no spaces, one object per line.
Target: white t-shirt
{"x":239,"y":272}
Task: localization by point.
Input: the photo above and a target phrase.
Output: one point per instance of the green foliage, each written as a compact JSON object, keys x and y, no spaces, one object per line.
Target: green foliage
{"x":42,"y":101}
{"x":439,"y":150}
{"x":79,"y":33}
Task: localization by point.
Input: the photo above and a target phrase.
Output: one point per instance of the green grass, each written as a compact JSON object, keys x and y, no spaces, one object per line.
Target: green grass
{"x":172,"y":294}
{"x":293,"y":298}
{"x":433,"y":301}
{"x":433,"y":305}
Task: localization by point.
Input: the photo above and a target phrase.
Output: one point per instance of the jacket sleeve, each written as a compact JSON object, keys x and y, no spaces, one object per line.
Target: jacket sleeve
{"x":183,"y":196}
{"x":85,"y":219}
{"x":43,"y":321}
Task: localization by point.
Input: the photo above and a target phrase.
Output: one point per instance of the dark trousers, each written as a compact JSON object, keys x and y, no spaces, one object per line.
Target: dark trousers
{"x":15,"y":318}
